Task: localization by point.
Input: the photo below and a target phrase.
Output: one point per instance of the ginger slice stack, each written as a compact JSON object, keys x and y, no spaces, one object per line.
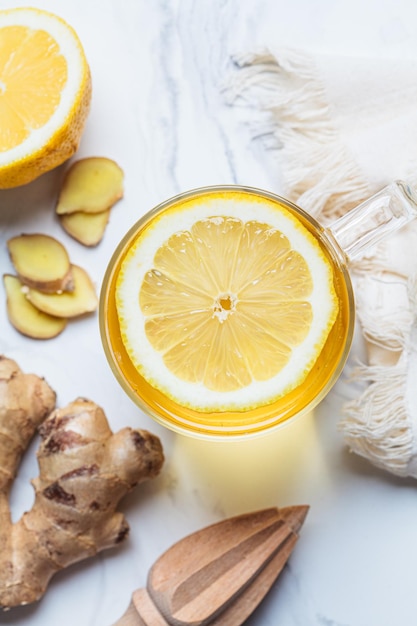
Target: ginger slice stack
{"x":48,"y":289}
{"x":90,"y":189}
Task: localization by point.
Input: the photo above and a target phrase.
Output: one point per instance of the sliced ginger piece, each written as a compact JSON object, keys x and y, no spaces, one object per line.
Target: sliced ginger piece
{"x":41,"y":262}
{"x":67,"y":304}
{"x":91,"y":185}
{"x":25,"y":317}
{"x":86,"y":228}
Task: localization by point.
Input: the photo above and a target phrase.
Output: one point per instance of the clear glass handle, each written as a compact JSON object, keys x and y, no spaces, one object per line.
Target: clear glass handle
{"x":376,"y":218}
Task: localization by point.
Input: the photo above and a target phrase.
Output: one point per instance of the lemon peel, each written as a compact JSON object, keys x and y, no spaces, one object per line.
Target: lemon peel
{"x":45,"y":94}
{"x":225,"y":302}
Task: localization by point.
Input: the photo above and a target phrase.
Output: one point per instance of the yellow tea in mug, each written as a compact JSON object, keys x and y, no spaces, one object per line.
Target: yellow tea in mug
{"x":225,"y":311}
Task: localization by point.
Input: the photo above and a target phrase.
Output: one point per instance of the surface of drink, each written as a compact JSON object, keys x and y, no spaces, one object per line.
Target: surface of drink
{"x":219,"y":423}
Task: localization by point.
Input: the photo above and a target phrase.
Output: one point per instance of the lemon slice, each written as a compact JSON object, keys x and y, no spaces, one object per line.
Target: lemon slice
{"x":225,"y":302}
{"x":45,"y":92}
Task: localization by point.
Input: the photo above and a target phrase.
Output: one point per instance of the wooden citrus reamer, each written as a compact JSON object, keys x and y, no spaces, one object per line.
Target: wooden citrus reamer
{"x":217,"y":575}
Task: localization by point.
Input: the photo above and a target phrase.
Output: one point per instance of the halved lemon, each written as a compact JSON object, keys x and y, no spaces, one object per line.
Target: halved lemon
{"x":225,"y":301}
{"x":45,"y":93}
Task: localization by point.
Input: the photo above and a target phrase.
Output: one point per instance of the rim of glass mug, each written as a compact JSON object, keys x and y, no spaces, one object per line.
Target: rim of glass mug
{"x":345,"y":239}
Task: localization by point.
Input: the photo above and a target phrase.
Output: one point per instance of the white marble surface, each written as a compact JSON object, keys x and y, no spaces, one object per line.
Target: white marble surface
{"x":158,"y":67}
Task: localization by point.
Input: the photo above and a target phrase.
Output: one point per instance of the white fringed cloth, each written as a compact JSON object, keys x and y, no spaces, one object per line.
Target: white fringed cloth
{"x":340,"y":129}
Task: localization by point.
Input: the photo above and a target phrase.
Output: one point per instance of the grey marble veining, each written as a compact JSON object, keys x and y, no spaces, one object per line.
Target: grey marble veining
{"x":159,"y":68}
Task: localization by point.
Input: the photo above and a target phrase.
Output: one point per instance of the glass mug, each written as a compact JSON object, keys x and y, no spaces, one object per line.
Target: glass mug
{"x":347,"y":238}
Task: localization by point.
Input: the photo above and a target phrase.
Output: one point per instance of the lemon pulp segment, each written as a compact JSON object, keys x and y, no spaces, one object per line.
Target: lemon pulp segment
{"x":225,"y":302}
{"x":23,"y":106}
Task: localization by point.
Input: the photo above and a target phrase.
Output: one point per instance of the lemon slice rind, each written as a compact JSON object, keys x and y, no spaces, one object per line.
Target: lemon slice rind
{"x":140,"y":259}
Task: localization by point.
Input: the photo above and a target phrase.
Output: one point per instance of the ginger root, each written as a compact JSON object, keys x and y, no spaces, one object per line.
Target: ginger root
{"x":86,"y":228}
{"x":67,"y":304}
{"x":27,"y":318}
{"x":91,"y":185}
{"x":41,"y":262}
{"x":25,"y":401}
{"x":84,"y":471}
{"x":38,"y":304}
{"x":90,"y":189}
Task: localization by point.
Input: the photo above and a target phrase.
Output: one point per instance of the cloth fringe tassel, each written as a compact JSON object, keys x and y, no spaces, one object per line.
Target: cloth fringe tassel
{"x":319,"y":172}
{"x":322,"y":176}
{"x":377,"y":425}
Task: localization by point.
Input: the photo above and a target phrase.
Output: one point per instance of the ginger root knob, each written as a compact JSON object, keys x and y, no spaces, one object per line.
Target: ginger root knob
{"x":84,"y":471}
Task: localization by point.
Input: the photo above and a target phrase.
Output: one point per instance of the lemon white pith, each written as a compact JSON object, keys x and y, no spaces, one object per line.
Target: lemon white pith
{"x":225,"y":302}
